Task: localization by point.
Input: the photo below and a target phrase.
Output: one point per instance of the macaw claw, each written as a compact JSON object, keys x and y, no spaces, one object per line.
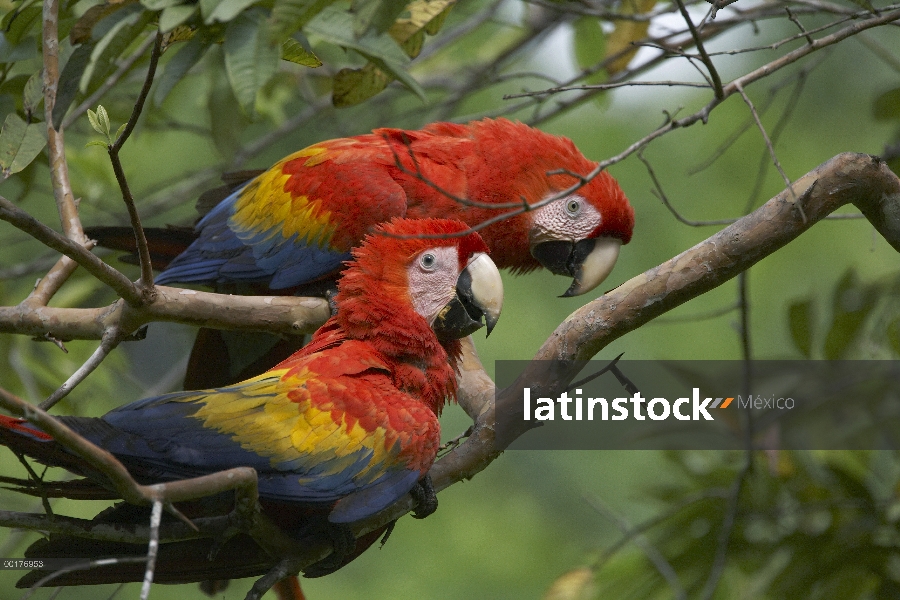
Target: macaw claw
{"x":426,"y":498}
{"x":344,"y":544}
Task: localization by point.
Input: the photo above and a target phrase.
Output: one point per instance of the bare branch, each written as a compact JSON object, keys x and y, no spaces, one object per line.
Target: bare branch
{"x":146,"y":282}
{"x":111,"y":339}
{"x":51,"y":283}
{"x":285,"y":315}
{"x":59,"y":169}
{"x":153,"y":544}
{"x":762,"y":130}
{"x":734,"y":497}
{"x":655,"y":557}
{"x":710,"y":67}
{"x":799,"y":25}
{"x":659,"y":193}
{"x":11,"y":213}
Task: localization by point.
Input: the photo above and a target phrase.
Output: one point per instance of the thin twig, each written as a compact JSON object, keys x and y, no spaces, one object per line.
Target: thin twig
{"x":713,"y":314}
{"x":146,"y":282}
{"x":56,"y":149}
{"x":108,"y":343}
{"x":782,"y":123}
{"x":117,"y":281}
{"x":606,"y":86}
{"x":152,"y":548}
{"x":762,"y":130}
{"x":862,"y":21}
{"x":731,"y":511}
{"x":659,"y":193}
{"x":654,"y":521}
{"x":655,"y":557}
{"x":799,"y":25}
{"x":51,"y":283}
{"x":713,"y":73}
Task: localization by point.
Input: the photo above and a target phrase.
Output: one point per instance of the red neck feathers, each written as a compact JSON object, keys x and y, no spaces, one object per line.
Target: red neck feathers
{"x":374,"y":306}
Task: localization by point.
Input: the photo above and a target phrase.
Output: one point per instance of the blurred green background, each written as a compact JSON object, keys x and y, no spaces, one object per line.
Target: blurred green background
{"x":531,"y":516}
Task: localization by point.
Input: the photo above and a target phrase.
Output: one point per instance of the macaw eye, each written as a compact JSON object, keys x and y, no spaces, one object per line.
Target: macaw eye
{"x":573,"y":207}
{"x":428,"y":261}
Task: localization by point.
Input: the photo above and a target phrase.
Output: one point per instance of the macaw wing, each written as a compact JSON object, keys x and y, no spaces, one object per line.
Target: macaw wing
{"x":318,"y":430}
{"x":296,"y":222}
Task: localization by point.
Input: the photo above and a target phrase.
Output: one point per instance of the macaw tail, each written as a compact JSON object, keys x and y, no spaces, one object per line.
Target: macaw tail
{"x":206,"y":561}
{"x":164,"y":243}
{"x":177,"y":562}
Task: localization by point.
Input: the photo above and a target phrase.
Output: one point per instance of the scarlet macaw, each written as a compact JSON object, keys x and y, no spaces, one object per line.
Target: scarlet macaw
{"x":297,"y":222}
{"x":347,"y":425}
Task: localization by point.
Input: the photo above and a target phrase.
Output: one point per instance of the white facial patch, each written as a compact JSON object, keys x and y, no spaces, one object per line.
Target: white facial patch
{"x":567,"y":219}
{"x":432,"y":280}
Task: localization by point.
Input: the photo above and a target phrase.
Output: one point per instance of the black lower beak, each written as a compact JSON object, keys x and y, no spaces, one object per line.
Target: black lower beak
{"x":563,"y":258}
{"x":587,"y":261}
{"x":479,"y":295}
{"x":461,"y":317}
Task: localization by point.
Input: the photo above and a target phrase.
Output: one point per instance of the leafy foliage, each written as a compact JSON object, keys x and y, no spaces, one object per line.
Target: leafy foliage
{"x":863,"y":321}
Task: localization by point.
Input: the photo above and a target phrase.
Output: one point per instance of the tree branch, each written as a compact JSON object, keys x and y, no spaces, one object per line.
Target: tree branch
{"x":59,"y":169}
{"x":146,"y":282}
{"x":285,"y":315}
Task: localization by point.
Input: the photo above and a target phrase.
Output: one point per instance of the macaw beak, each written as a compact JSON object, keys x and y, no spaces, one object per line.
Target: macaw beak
{"x":479,"y":293}
{"x":587,"y":261}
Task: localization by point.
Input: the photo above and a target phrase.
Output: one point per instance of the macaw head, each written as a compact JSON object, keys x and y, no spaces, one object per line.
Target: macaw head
{"x":435,"y":268}
{"x":579,"y":234}
{"x":576,"y":233}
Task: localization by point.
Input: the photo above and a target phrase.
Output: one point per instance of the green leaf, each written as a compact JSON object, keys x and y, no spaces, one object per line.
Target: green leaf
{"x":400,"y":74}
{"x":852,"y":302}
{"x":619,"y":42}
{"x":222,"y":10}
{"x":69,"y":80}
{"x":425,"y":16}
{"x":251,"y":56}
{"x":866,"y":4}
{"x":226,"y":122}
{"x":24,"y":50}
{"x":800,"y":321}
{"x":377,"y":15}
{"x":178,"y":66}
{"x":161,"y":4}
{"x":21,"y":23}
{"x":112,"y":46}
{"x":103,"y":119}
{"x":96,"y":143}
{"x":33,"y":93}
{"x":352,"y":86}
{"x":288,"y":16}
{"x":589,"y":46}
{"x":887,"y":105}
{"x":173,"y":16}
{"x":336,"y":26}
{"x":293,"y":51}
{"x":83,"y":28}
{"x":893,"y":335}
{"x":95,"y":122}
{"x":20,"y":143}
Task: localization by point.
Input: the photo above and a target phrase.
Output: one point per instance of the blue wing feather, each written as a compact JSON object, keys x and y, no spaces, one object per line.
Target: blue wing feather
{"x":223,"y":253}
